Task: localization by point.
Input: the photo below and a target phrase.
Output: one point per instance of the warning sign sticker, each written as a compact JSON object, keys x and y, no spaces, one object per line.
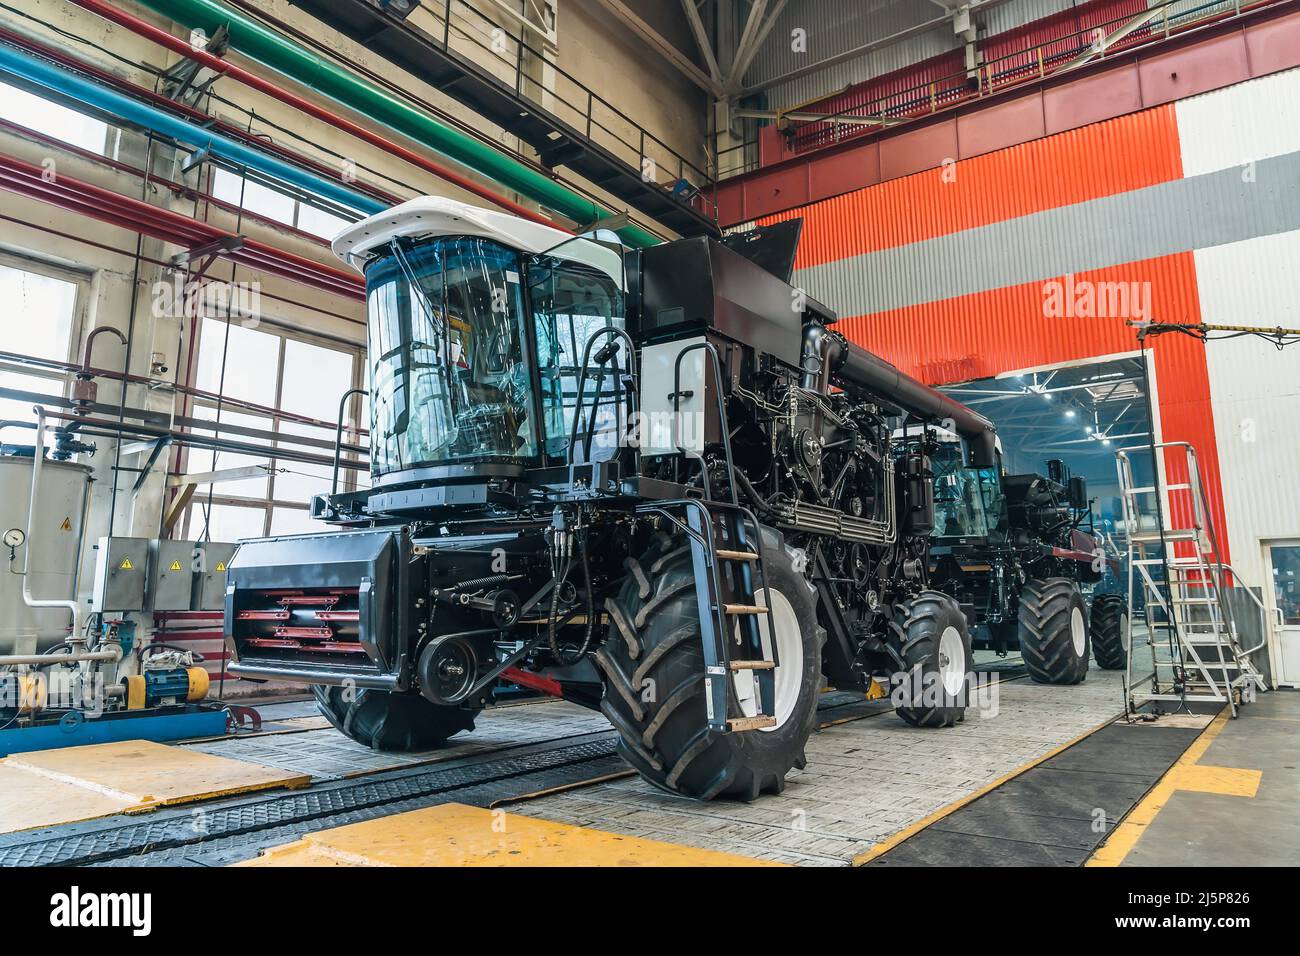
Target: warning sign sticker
{"x":221,"y":565}
{"x":67,"y":524}
{"x":126,"y":565}
{"x":175,"y":566}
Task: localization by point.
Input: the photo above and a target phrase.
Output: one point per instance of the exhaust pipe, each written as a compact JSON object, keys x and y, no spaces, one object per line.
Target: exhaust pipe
{"x":828,"y":356}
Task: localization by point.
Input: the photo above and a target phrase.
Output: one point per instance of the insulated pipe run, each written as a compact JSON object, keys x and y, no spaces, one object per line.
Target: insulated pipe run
{"x":72,"y":605}
{"x":828,"y":355}
{"x":106,"y":205}
{"x":251,"y":80}
{"x":20,"y":64}
{"x":257,"y":42}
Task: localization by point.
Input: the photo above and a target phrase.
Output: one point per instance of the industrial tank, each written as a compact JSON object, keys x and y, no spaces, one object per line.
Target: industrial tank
{"x":55,"y":542}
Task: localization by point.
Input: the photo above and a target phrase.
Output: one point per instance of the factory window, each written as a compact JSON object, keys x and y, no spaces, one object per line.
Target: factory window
{"x":274,"y":204}
{"x":42,"y":312}
{"x":52,"y":119}
{"x":284,"y":375}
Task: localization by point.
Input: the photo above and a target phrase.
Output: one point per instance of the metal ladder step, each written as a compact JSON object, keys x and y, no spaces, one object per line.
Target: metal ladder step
{"x":1151,"y":537}
{"x":737,"y":555}
{"x":1151,"y":490}
{"x":743,"y":609}
{"x":737,"y":724}
{"x":752,"y":665}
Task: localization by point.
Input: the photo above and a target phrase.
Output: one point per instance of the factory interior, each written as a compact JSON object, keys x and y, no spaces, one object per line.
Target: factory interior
{"x":808,"y":434}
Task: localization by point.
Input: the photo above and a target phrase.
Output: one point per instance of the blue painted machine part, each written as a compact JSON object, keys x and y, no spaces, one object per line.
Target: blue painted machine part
{"x":192,"y":721}
{"x":161,"y":684}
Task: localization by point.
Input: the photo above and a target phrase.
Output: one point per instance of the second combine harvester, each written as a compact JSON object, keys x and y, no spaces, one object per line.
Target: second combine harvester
{"x":653,"y":482}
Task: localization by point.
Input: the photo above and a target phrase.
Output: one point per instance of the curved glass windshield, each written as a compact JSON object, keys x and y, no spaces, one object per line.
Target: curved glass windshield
{"x":449,"y":370}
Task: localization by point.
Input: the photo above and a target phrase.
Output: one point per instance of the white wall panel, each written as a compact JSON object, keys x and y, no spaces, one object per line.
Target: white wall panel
{"x":1255,"y":391}
{"x":1250,"y":121}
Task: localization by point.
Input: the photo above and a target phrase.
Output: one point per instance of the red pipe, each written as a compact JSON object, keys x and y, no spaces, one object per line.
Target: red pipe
{"x":129,"y":253}
{"x":180,"y":189}
{"x":251,"y":80}
{"x":139,"y":216}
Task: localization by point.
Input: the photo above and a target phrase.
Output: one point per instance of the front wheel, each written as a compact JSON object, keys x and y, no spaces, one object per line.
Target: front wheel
{"x":384,"y":720}
{"x":930,"y":635}
{"x":1109,"y":620}
{"x":653,"y":663}
{"x":1054,"y":631}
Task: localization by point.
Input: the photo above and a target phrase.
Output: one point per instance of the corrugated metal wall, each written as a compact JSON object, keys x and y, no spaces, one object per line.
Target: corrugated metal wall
{"x":944,"y":272}
{"x":1255,"y":391}
{"x":1254,"y":387}
{"x":835,"y":26}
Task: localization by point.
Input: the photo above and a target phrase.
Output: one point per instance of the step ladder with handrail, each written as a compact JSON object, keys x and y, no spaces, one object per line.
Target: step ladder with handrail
{"x":1178,"y":572}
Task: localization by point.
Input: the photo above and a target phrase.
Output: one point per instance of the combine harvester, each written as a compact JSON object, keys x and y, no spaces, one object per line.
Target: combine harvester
{"x":653,"y":482}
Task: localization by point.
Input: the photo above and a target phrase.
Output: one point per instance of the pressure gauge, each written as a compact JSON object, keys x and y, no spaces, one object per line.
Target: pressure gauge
{"x":14,"y":538}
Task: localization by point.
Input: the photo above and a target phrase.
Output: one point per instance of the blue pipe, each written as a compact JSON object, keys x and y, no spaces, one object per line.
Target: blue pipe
{"x":37,"y":71}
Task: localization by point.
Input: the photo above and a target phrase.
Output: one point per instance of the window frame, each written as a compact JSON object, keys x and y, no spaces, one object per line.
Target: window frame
{"x":267,"y":503}
{"x":81,"y":280}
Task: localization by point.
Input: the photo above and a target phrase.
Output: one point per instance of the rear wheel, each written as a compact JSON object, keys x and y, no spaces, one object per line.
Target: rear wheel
{"x":653,"y":663}
{"x":384,"y":720}
{"x":1054,"y":631}
{"x":931,"y":636}
{"x":1109,"y":620}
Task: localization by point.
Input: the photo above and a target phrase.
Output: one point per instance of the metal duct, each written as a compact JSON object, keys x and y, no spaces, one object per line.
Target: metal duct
{"x":828,"y":355}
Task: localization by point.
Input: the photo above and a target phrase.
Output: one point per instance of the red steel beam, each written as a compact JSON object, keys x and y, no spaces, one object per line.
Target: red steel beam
{"x":253,"y":81}
{"x":105,"y":205}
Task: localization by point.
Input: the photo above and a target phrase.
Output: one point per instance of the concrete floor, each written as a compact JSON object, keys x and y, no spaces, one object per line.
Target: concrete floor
{"x":1211,"y":829}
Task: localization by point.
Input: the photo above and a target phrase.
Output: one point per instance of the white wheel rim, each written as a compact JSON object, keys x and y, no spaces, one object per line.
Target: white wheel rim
{"x":1078,"y":633}
{"x":952,"y":661}
{"x":789,"y":654}
{"x":1124,"y":636}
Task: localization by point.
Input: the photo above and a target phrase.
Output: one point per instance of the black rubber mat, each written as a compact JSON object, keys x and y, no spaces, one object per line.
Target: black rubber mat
{"x":1055,"y":814}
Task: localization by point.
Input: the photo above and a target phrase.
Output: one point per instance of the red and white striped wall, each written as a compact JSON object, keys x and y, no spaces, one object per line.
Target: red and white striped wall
{"x":943,"y":273}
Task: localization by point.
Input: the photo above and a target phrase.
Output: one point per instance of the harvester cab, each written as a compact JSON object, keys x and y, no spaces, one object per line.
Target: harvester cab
{"x":654,"y":482}
{"x":1018,"y":552}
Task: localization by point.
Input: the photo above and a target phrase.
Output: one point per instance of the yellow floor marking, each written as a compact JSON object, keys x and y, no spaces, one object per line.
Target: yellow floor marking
{"x":888,"y":844}
{"x":79,"y":783}
{"x":1185,"y":774}
{"x":453,"y":834}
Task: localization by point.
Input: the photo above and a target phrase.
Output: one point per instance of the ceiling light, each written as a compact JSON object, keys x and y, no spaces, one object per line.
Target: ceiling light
{"x":1069,"y":413}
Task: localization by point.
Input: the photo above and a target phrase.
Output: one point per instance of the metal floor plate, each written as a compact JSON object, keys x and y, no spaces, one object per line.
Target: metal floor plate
{"x":326,"y":754}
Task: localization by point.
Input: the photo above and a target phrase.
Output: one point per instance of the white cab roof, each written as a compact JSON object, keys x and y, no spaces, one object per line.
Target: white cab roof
{"x":438,"y":216}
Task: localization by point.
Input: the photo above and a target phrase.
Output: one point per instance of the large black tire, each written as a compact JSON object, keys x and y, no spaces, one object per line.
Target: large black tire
{"x":923,"y":636}
{"x":389,"y":721}
{"x":1053,"y":624}
{"x":653,"y":663}
{"x":1109,"y":620}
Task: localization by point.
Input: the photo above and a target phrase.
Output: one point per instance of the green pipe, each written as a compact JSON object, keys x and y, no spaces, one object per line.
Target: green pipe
{"x":282,"y":54}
